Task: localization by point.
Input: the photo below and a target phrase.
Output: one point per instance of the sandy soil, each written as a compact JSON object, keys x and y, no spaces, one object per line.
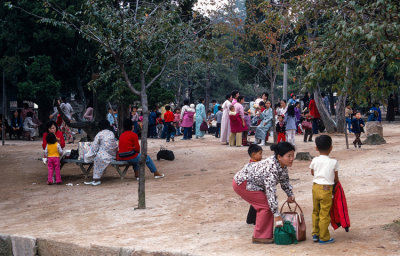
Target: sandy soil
{"x":194,"y":210}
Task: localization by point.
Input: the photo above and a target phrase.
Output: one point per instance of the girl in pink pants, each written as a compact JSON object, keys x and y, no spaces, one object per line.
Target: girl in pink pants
{"x":53,"y":151}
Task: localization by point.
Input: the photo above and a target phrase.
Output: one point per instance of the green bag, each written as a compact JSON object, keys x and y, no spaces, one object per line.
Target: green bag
{"x":285,"y":235}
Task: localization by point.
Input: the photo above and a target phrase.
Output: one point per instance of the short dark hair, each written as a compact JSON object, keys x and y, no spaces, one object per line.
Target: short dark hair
{"x":323,"y":142}
{"x":50,"y":124}
{"x":201,"y":100}
{"x":127,"y":124}
{"x":228,"y":96}
{"x":103,"y":125}
{"x":167,"y":108}
{"x":186,"y":102}
{"x":262,"y":103}
{"x":266,"y":94}
{"x":254,"y":148}
{"x":219,"y":108}
{"x":51,"y":138}
{"x":282,"y":148}
{"x":322,"y":94}
{"x":213,"y":101}
{"x":234,"y":92}
{"x":240,"y":98}
{"x":29,"y":114}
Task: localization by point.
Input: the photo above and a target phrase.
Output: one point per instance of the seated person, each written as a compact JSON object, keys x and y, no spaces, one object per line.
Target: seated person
{"x":103,"y":150}
{"x":30,"y":126}
{"x":16,"y":125}
{"x":129,"y":150}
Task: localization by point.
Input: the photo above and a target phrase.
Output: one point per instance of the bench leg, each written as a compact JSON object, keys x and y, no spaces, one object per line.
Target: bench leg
{"x":121,"y":173}
{"x":84,"y":170}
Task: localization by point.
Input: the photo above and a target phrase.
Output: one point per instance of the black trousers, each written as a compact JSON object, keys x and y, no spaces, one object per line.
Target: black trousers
{"x":308,"y":132}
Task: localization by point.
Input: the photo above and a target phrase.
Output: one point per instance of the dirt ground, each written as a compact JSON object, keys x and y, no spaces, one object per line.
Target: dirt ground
{"x":194,"y":210}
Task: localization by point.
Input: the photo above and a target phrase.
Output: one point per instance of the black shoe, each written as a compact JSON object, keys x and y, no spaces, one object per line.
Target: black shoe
{"x":305,"y":141}
{"x":310,"y":140}
{"x":359,"y":146}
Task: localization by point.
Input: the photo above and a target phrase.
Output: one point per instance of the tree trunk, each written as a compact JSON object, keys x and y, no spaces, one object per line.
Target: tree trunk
{"x":143,"y":143}
{"x":329,"y":123}
{"x":81,"y":93}
{"x":340,"y":116}
{"x":123,"y":113}
{"x":208,"y":86}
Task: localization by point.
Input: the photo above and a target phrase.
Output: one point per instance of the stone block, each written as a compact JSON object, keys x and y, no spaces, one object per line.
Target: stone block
{"x":374,"y":127}
{"x":47,"y":247}
{"x":303,"y":156}
{"x":374,"y":139}
{"x":23,"y":246}
{"x":5,"y":245}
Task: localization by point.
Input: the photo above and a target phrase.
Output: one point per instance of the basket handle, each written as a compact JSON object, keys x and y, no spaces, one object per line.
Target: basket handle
{"x":295,"y":209}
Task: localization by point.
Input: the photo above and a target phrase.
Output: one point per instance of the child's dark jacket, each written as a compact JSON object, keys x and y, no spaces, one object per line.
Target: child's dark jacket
{"x":355,"y":123}
{"x":280,"y":128}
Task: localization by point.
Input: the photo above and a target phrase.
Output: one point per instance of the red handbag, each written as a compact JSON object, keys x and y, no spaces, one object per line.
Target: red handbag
{"x":203,"y":127}
{"x":297,"y":220}
{"x":306,"y":124}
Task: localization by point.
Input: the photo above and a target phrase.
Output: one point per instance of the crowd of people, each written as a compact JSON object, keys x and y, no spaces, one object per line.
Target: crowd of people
{"x":232,"y":122}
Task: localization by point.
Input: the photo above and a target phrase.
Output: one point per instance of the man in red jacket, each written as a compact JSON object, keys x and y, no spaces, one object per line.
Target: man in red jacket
{"x":315,"y":114}
{"x":129,"y":150}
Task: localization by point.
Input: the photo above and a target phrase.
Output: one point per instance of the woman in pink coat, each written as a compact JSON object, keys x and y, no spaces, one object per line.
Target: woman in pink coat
{"x":187,"y":115}
{"x":225,"y":126}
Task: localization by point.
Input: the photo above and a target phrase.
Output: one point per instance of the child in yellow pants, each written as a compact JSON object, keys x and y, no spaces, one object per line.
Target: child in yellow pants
{"x":325,"y":172}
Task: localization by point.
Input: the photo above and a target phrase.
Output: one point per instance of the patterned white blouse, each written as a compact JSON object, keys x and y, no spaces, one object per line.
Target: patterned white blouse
{"x":264,"y":176}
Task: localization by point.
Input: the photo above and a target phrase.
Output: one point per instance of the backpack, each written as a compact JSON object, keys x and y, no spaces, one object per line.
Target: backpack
{"x":165,"y":154}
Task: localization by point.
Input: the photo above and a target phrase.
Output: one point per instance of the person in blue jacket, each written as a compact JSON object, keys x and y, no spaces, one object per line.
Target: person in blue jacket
{"x":357,"y":126}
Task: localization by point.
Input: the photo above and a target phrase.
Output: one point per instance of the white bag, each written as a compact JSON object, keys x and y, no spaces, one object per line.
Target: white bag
{"x":84,"y":149}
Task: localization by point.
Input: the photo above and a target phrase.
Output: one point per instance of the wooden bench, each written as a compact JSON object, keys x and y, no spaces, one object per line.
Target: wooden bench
{"x":86,"y":167}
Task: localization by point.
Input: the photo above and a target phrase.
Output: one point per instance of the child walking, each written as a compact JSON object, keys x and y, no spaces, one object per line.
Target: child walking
{"x":291,"y":127}
{"x":53,"y":151}
{"x":307,"y":127}
{"x":281,"y":129}
{"x":357,"y":126}
{"x":325,"y":172}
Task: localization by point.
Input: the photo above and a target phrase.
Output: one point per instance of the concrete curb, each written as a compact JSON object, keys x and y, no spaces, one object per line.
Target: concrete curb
{"x":11,"y":245}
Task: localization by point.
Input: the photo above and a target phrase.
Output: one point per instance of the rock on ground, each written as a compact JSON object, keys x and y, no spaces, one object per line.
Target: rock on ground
{"x":374,"y":139}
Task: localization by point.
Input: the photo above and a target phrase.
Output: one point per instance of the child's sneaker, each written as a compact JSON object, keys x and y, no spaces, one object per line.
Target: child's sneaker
{"x":327,"y":242}
{"x":315,"y":238}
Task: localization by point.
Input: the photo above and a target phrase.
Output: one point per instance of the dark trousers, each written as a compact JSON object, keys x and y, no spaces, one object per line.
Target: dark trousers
{"x":218,"y":131}
{"x":315,"y":125}
{"x":308,"y":132}
{"x":169,"y":130}
{"x":187,"y":133}
{"x":152,"y":131}
{"x":357,"y":140}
